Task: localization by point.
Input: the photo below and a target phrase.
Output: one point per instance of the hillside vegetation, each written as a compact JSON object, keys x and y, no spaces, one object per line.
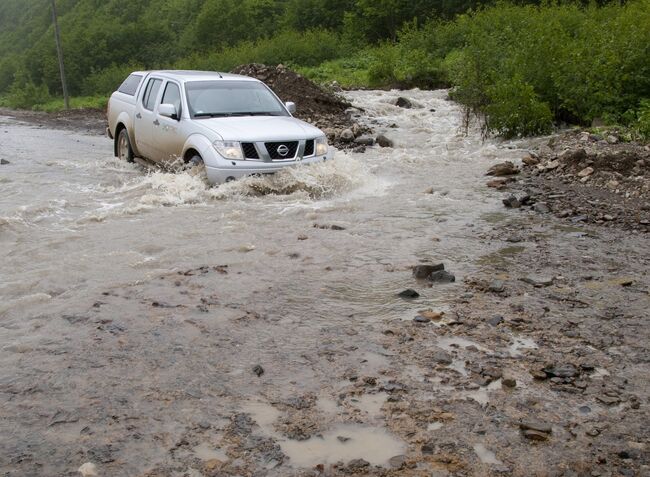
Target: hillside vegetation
{"x":521,"y":67}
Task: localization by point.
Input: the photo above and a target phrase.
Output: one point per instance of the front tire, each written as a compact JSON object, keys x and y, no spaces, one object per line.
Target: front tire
{"x":123,"y":146}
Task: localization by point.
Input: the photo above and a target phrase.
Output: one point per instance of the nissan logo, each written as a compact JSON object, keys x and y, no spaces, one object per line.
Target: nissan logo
{"x":283,"y":150}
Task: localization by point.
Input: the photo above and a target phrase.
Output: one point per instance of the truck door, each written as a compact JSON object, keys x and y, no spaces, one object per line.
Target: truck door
{"x":145,"y":118}
{"x":167,"y":135}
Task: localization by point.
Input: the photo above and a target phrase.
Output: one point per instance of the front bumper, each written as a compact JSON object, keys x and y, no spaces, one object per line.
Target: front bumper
{"x":219,"y":175}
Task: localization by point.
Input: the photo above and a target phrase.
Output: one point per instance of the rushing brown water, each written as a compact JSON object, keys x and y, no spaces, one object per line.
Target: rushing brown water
{"x":120,"y":331}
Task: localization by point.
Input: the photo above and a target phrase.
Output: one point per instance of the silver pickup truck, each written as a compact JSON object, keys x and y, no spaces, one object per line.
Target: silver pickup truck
{"x":235,"y":125}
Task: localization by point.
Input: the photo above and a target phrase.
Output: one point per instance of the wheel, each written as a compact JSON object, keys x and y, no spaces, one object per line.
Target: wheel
{"x":195,"y":161}
{"x":124,"y":151}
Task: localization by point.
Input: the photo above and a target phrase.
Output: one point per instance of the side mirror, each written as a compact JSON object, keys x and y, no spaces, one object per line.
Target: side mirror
{"x":168,"y":110}
{"x":291,"y":107}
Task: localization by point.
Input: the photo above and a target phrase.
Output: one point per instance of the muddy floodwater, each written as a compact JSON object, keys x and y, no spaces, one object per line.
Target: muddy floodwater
{"x":153,"y":325}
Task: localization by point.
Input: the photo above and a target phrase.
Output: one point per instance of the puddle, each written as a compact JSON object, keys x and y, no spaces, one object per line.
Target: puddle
{"x":494,"y":217}
{"x":450,"y":343}
{"x":372,"y":444}
{"x":458,"y":365}
{"x":519,"y":344}
{"x":481,"y":395}
{"x":327,"y":405}
{"x":486,"y":456}
{"x":206,"y":452}
{"x":263,"y":414}
{"x":370,"y":403}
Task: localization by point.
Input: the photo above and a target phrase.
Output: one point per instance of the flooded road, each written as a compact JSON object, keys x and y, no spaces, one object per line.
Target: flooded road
{"x":152,"y":325}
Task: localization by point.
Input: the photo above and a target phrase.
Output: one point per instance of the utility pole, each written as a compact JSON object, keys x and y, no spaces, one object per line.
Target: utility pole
{"x":59,"y":52}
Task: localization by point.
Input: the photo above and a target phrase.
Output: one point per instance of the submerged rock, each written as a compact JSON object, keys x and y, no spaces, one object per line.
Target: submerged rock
{"x":383,"y":141}
{"x":408,"y":293}
{"x":503,"y":169}
{"x":403,"y":103}
{"x":442,"y":277}
{"x":423,"y":271}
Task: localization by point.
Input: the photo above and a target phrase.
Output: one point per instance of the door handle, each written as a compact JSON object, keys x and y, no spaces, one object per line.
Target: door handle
{"x":156,"y":122}
{"x":139,"y":116}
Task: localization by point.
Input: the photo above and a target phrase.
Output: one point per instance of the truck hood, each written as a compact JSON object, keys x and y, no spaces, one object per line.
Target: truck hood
{"x":260,"y":128}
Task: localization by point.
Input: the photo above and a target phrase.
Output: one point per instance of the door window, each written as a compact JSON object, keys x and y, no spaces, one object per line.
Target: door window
{"x":172,"y":95}
{"x":151,"y":93}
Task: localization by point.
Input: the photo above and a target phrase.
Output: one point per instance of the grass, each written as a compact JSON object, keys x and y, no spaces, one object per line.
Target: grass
{"x":78,"y":102}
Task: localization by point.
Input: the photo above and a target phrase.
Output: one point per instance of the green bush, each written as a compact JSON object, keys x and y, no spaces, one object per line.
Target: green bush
{"x":24,"y":94}
{"x":642,"y":125}
{"x":515,"y":110}
{"x":108,"y":80}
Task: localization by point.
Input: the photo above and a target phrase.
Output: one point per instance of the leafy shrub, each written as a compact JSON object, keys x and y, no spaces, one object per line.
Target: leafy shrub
{"x":515,"y":110}
{"x":24,"y":94}
{"x":642,"y":125}
{"x":109,"y":79}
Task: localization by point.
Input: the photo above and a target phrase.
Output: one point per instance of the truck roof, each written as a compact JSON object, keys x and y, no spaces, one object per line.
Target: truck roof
{"x":190,"y":75}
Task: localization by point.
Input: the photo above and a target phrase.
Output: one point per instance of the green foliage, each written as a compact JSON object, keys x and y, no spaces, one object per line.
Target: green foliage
{"x":24,"y":94}
{"x":514,"y":109}
{"x":641,"y":126}
{"x":348,"y":72}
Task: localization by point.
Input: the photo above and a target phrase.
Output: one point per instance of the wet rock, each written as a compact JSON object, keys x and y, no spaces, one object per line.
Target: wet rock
{"x":608,"y":400}
{"x":442,"y":276}
{"x":509,"y":381}
{"x":347,"y":135}
{"x":408,"y":293}
{"x":442,"y":357}
{"x":421,"y":319}
{"x":397,"y":462}
{"x":383,"y":141}
{"x":587,"y":171}
{"x":503,"y":169}
{"x":4,"y":162}
{"x":302,"y":237}
{"x":423,"y":271}
{"x":535,"y":426}
{"x":497,"y":286}
{"x":431,"y":315}
{"x":88,"y":470}
{"x":365,"y":141}
{"x":535,"y":435}
{"x":499,"y":183}
{"x":564,"y":370}
{"x":530,"y":160}
{"x":496,"y":320}
{"x":541,"y":208}
{"x":538,"y":282}
{"x":515,"y":201}
{"x":342,"y":439}
{"x":258,"y":370}
{"x":403,"y":103}
{"x":358,"y":464}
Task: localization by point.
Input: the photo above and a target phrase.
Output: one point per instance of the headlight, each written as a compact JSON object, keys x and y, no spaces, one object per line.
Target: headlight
{"x":321,"y":146}
{"x":229,"y":149}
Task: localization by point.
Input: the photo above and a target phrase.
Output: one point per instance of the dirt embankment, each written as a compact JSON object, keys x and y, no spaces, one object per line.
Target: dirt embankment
{"x":85,"y":120}
{"x":584,"y":178}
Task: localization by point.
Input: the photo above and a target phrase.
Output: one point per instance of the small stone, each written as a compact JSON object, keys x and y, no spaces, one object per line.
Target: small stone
{"x":421,"y":319}
{"x":535,"y":435}
{"x":536,"y":426}
{"x":258,"y":370}
{"x":347,"y":135}
{"x":442,"y":277}
{"x":549,"y":166}
{"x":432,"y":315}
{"x":499,"y":183}
{"x":530,"y":161}
{"x":423,"y":271}
{"x":442,"y":357}
{"x":302,"y":237}
{"x":564,"y":370}
{"x":608,"y":400}
{"x":503,"y":169}
{"x":587,"y":171}
{"x":383,"y":141}
{"x":88,"y":470}
{"x":365,"y":141}
{"x":496,"y":320}
{"x":342,"y":439}
{"x":497,"y":286}
{"x":541,"y":208}
{"x":408,"y":293}
{"x":397,"y":462}
{"x":608,"y":217}
{"x":612,"y":139}
{"x":4,"y":162}
{"x":509,"y":382}
{"x":358,"y":464}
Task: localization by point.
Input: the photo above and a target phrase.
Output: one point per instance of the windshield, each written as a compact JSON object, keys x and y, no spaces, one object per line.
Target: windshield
{"x":231,"y":98}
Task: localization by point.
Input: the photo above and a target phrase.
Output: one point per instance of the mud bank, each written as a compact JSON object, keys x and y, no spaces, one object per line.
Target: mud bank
{"x":153,"y":326}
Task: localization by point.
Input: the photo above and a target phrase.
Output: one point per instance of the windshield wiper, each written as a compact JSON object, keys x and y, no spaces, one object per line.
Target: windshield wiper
{"x":260,"y":113}
{"x":212,"y":115}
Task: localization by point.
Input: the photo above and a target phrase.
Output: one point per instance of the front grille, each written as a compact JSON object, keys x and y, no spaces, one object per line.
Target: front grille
{"x":309,"y":148}
{"x":272,"y":149}
{"x":249,"y":150}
